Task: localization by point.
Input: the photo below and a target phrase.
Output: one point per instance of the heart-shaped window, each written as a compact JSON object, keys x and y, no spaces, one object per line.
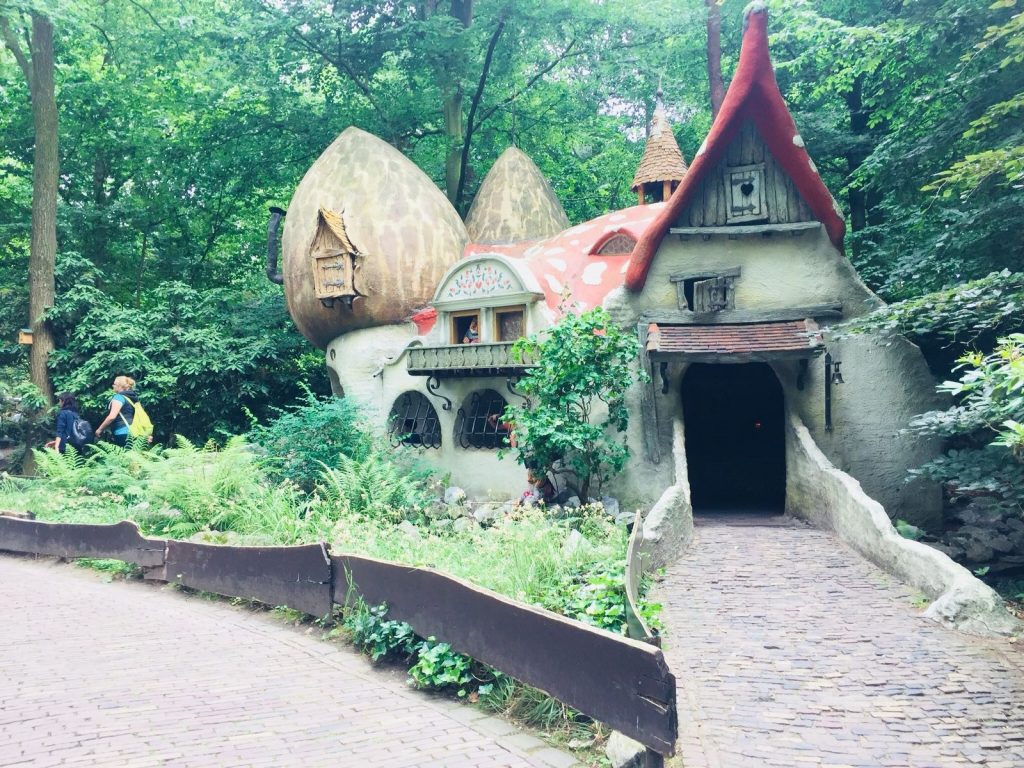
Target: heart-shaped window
{"x":747,"y":188}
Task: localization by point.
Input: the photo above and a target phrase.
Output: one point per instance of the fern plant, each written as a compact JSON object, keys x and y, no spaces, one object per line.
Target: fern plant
{"x":373,"y":487}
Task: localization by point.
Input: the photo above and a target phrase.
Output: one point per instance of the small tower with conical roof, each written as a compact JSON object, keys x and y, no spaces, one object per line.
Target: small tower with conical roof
{"x":662,"y":166}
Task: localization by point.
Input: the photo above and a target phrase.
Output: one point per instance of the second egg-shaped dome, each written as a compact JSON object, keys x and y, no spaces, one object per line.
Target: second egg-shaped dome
{"x":515,"y":202}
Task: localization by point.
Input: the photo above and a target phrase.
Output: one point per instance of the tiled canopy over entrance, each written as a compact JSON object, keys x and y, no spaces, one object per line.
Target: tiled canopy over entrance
{"x":730,"y":339}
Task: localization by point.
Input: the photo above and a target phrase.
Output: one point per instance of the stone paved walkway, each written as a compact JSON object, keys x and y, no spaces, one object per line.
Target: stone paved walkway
{"x":116,"y":674}
{"x":792,"y":650}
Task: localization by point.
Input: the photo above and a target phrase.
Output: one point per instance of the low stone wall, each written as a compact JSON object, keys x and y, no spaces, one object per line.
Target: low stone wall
{"x":818,"y":492}
{"x":668,"y":527}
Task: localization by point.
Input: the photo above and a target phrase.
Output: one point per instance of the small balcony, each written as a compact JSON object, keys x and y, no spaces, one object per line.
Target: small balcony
{"x":464,"y":360}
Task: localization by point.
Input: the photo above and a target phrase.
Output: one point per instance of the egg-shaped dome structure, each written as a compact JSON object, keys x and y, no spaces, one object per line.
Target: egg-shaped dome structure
{"x":515,"y":202}
{"x":367,"y":238}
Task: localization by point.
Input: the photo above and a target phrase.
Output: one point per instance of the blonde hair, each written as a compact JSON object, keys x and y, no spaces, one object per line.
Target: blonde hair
{"x":124,"y":382}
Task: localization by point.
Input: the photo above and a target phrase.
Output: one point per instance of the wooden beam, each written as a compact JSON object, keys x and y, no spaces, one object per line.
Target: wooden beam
{"x":740,"y":357}
{"x":748,"y":229}
{"x":742,"y":316}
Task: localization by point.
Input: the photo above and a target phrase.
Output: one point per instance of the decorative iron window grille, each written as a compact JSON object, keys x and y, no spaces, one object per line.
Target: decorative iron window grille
{"x":481,"y":424}
{"x":413,"y":421}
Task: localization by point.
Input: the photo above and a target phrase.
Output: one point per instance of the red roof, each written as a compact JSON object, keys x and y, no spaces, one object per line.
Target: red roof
{"x":753,"y":95}
{"x":568,"y":263}
{"x":791,"y":335}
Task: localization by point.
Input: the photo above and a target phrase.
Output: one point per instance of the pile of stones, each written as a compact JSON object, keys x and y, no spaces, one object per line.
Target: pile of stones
{"x":985,"y":534}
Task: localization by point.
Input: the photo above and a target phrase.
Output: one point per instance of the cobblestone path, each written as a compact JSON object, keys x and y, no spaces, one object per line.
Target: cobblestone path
{"x":116,"y":674}
{"x":792,"y":650}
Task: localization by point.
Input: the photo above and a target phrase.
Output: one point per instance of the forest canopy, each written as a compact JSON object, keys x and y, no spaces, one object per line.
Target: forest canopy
{"x":180,"y":121}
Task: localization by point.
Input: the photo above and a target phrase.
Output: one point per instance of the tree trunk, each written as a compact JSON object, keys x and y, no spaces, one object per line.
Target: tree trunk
{"x":454,"y":123}
{"x":861,"y":201}
{"x":45,"y":172}
{"x":453,"y":131}
{"x":715,"y":81}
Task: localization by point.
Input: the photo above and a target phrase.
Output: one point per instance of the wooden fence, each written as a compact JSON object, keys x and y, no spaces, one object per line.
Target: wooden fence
{"x":618,"y":681}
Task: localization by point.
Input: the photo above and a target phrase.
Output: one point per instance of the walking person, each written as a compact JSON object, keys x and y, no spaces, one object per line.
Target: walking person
{"x":122,"y":411}
{"x":66,"y":418}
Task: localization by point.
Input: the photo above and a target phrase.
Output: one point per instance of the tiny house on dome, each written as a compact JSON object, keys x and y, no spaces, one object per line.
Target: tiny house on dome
{"x":731,"y":271}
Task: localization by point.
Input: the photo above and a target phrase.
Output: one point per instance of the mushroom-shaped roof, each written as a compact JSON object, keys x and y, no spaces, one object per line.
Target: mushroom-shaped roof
{"x":515,"y":202}
{"x":662,"y":160}
{"x":403,"y":231}
{"x":585,"y":262}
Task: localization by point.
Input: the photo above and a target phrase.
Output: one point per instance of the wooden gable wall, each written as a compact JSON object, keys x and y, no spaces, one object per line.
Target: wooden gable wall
{"x":783,"y":201}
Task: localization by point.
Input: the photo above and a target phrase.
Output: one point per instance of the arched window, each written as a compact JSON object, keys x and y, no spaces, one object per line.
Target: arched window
{"x":480,"y":424}
{"x":617,"y":243}
{"x":413,"y":421}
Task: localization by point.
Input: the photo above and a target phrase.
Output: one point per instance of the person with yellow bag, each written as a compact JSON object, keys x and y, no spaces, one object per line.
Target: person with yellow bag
{"x":127,"y":418}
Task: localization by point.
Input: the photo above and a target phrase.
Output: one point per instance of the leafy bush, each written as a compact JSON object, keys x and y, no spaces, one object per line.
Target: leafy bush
{"x":380,"y":638}
{"x":990,"y":394}
{"x":440,"y":668}
{"x":201,"y":357}
{"x":583,"y":366}
{"x":312,"y":433}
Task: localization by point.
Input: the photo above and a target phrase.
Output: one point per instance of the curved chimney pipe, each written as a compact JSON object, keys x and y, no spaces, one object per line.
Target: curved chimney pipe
{"x":276,"y":214}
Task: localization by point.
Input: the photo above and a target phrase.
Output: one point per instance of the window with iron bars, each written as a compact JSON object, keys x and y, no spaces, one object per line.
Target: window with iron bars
{"x":480,"y":423}
{"x":413,"y":421}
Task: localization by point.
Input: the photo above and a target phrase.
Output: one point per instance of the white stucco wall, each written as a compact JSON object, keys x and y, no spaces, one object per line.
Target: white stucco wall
{"x":819,"y":492}
{"x":371,"y":369}
{"x":887,"y":383}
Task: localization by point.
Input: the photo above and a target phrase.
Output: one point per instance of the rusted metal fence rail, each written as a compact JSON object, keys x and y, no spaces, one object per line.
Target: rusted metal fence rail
{"x":621,"y":682}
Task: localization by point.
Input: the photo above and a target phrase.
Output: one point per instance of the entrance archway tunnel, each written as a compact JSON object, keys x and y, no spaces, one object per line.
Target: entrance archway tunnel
{"x":735,"y":444}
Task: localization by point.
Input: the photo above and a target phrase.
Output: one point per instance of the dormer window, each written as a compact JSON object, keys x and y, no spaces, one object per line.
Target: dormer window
{"x":707,"y":292}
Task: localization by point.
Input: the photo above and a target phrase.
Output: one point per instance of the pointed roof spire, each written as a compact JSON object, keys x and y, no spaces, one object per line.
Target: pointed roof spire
{"x":662,"y":161}
{"x":753,"y":95}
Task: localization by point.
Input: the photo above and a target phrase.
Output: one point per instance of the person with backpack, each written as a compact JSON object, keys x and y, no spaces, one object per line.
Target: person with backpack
{"x":72,"y":429}
{"x":127,"y":418}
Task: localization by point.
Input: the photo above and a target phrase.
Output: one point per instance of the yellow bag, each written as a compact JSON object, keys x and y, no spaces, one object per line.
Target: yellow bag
{"x":141,"y":425}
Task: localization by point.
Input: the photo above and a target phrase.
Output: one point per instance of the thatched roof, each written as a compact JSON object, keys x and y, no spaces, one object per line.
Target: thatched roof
{"x":662,"y":160}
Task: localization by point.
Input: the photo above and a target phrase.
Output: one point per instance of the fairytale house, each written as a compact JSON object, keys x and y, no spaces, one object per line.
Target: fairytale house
{"x":731,"y":271}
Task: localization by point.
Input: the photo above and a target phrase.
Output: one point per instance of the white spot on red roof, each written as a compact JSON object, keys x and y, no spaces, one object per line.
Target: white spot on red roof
{"x":558,"y":264}
{"x":592,"y":273}
{"x":813,"y":166}
{"x":703,"y":148}
{"x":553,"y":283}
{"x":798,"y":140}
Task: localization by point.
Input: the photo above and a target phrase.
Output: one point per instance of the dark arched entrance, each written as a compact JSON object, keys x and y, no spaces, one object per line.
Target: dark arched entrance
{"x":735,"y":446}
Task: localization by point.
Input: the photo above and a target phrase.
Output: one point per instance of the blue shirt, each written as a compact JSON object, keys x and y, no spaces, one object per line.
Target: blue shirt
{"x":120,"y":425}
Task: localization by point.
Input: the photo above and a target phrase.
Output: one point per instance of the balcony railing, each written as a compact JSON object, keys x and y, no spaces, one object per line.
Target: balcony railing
{"x":465,"y":360}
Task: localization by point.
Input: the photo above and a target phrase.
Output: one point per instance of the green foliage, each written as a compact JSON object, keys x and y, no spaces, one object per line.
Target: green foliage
{"x":583,"y":366}
{"x":961,"y":316}
{"x":314,"y":432}
{"x":438,"y":667}
{"x":984,"y":426}
{"x":380,"y":638}
{"x":374,"y":487}
{"x":200,"y":357}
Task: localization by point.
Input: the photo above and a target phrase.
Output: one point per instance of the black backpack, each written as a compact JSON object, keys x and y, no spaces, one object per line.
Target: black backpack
{"x":81,"y":433}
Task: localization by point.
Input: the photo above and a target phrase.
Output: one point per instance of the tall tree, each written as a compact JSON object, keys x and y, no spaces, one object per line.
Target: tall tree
{"x":33,"y":50}
{"x":715,"y":81}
